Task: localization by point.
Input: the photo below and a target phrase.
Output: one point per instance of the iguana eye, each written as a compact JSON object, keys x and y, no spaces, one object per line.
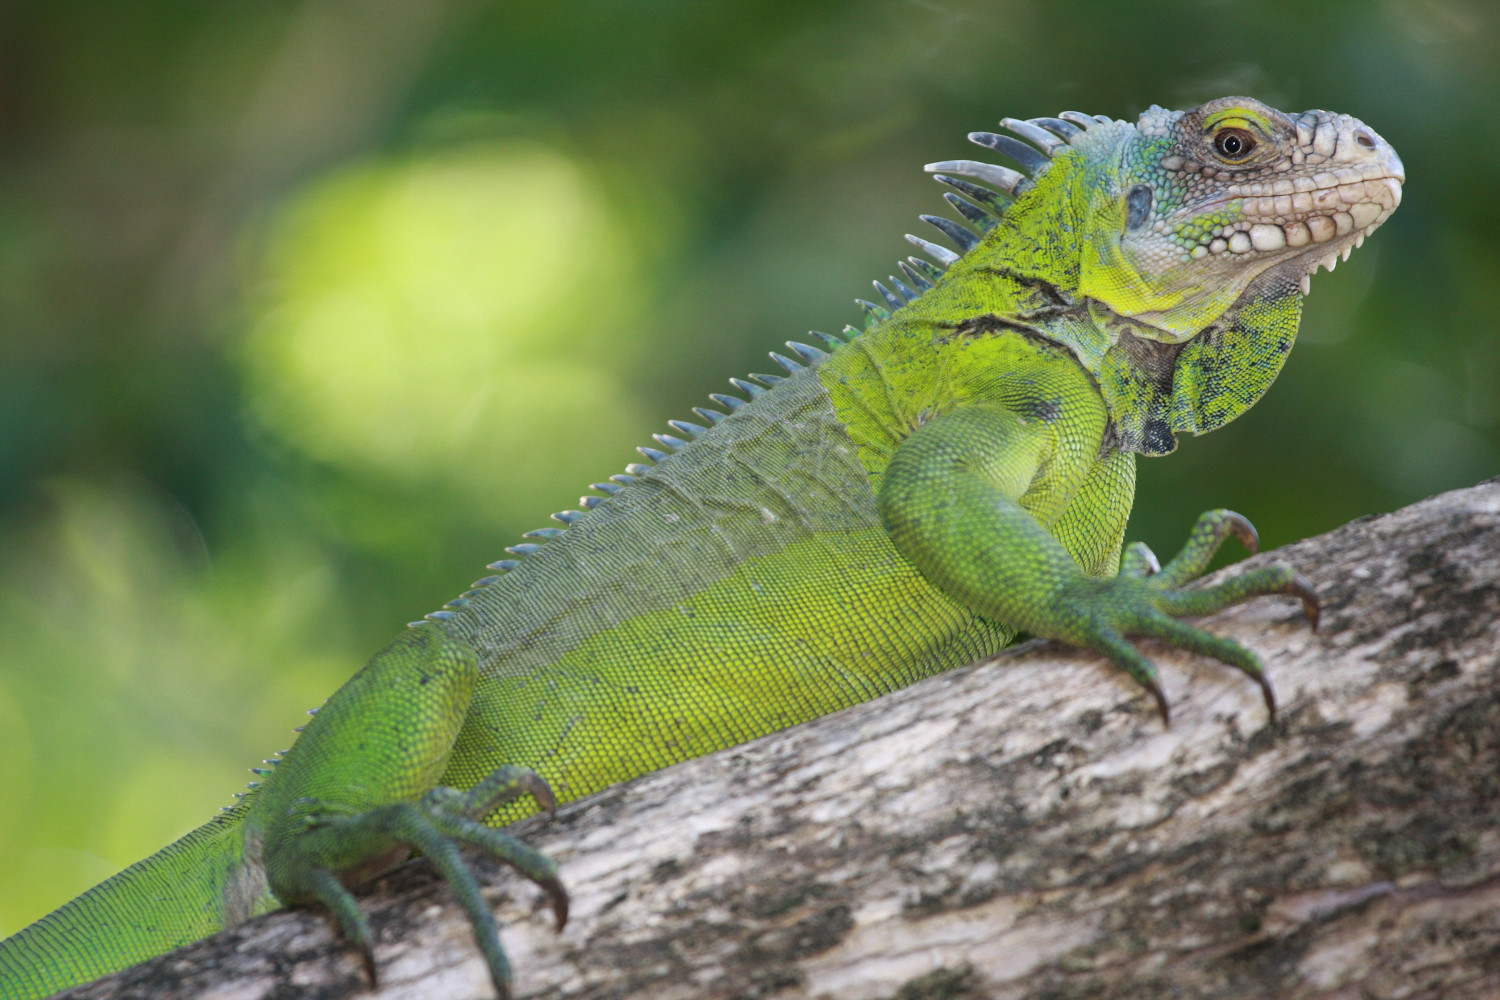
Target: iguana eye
{"x":1233,"y":144}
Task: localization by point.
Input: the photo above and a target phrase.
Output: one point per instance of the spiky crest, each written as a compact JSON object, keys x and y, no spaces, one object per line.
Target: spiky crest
{"x":981,"y":207}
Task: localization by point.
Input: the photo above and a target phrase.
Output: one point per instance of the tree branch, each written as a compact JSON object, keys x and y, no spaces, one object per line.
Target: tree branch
{"x":1027,"y":828}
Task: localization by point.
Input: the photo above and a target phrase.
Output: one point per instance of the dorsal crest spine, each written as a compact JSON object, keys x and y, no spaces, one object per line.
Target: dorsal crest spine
{"x":983,"y":191}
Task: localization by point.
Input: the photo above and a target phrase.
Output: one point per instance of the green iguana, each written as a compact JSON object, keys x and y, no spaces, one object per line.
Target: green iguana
{"x":908,"y":500}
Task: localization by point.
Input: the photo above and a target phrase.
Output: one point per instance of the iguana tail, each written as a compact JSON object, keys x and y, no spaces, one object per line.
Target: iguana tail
{"x":186,"y":891}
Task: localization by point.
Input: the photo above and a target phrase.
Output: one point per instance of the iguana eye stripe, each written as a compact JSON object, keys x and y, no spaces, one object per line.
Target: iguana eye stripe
{"x":1242,"y":119}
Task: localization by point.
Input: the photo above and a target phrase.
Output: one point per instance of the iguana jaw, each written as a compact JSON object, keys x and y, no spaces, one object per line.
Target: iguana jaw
{"x":1308,"y":221}
{"x":1308,"y":191}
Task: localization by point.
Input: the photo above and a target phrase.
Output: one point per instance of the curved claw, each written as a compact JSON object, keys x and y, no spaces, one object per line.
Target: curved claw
{"x":435,"y":827}
{"x":323,"y":886}
{"x":1154,"y":686}
{"x":502,"y":785}
{"x":1107,"y":640}
{"x":1208,"y":533}
{"x":1269,"y":694}
{"x":367,"y":957}
{"x":1303,"y":588}
{"x":1162,"y":598}
{"x":1239,"y":526}
{"x":1191,"y":639}
{"x":1139,"y":561}
{"x":559,"y":897}
{"x":541,"y":793}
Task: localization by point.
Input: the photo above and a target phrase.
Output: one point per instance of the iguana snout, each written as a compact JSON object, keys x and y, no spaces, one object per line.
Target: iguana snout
{"x":1213,"y":198}
{"x":1324,"y":182}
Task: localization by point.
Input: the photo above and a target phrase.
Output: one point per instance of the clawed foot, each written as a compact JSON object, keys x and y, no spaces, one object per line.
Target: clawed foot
{"x":445,"y":818}
{"x":1146,"y":598}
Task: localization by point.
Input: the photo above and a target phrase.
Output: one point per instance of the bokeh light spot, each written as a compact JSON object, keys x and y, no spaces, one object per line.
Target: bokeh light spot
{"x":431,"y":320}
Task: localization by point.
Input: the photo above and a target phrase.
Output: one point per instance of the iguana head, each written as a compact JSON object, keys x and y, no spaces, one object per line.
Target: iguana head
{"x":1170,"y":256}
{"x":1204,"y":202}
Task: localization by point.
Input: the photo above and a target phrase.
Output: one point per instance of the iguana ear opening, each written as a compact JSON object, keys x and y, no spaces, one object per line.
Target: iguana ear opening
{"x":1138,"y":204}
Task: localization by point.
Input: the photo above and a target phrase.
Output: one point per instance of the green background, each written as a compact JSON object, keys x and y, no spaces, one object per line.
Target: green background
{"x":308,"y":310}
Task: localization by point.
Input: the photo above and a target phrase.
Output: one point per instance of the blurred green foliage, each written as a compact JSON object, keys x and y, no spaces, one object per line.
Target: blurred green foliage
{"x":308,"y":309}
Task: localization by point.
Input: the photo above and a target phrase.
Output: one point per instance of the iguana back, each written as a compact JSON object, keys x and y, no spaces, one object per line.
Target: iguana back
{"x":742,"y":585}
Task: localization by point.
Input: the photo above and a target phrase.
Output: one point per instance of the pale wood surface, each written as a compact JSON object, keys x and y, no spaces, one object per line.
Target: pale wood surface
{"x":1027,"y":828}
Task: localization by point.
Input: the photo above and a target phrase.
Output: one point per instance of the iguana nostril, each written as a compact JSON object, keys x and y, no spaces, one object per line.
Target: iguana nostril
{"x":1365,"y":139}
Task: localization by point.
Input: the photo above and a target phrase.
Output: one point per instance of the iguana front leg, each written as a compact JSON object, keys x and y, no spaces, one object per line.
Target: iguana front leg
{"x":952,"y":499}
{"x":359,"y":792}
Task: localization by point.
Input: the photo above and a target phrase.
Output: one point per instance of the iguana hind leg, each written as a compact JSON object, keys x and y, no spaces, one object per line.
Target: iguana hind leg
{"x":358,"y":793}
{"x":434,"y":829}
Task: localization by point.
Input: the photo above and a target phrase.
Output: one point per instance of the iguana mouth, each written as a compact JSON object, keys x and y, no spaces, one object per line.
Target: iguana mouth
{"x":1335,"y":209}
{"x":1333,"y":183}
{"x":1309,"y":208}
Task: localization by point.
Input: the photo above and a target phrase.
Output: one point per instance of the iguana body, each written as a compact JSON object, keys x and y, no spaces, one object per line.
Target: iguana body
{"x":959,"y":472}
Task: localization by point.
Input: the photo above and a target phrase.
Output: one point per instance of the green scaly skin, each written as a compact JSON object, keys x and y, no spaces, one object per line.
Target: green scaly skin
{"x":959,"y":472}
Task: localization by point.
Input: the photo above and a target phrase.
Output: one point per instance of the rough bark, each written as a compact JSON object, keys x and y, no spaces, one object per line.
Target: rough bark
{"x":1028,"y":828}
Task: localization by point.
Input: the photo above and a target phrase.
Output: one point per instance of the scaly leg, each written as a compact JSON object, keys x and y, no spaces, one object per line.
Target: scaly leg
{"x":951,"y":499}
{"x":357,"y":793}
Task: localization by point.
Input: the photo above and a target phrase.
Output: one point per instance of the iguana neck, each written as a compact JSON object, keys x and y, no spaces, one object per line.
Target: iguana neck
{"x":1024,"y":277}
